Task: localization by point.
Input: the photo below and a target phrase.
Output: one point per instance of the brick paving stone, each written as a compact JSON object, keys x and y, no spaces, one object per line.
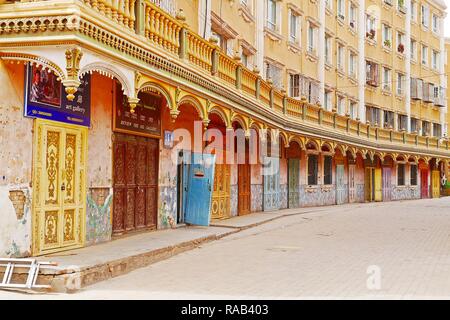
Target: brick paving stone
{"x":322,"y":254}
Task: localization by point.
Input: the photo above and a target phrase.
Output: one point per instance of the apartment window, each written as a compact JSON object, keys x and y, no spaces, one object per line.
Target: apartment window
{"x":274,"y":73}
{"x":329,"y":4}
{"x":424,"y":55}
{"x":401,"y":174}
{"x":222,"y":41}
{"x":400,"y":42}
{"x":352,"y":64}
{"x":372,"y":77}
{"x":435,"y":60}
{"x":327,"y":170}
{"x":294,"y":85}
{"x":341,"y":9}
{"x":401,"y":6}
{"x":387,"y":36}
{"x":426,"y":128}
{"x":400,"y":84}
{"x":312,"y":37}
{"x":373,"y":115}
{"x":245,"y":59}
{"x":435,"y":23}
{"x":414,"y":125}
{"x":311,"y":91}
{"x":272,"y":14}
{"x":413,"y":11}
{"x":413,"y":174}
{"x":340,"y":57}
{"x":340,"y":105}
{"x":328,"y":100}
{"x":294,"y":27}
{"x":352,"y":16}
{"x":352,"y":109}
{"x":402,"y":122}
{"x":437,"y":130}
{"x":168,"y":5}
{"x":328,"y":50}
{"x":371,"y":27}
{"x":388,"y":119}
{"x":312,"y":169}
{"x":425,"y":15}
{"x":413,"y":50}
{"x":387,"y":79}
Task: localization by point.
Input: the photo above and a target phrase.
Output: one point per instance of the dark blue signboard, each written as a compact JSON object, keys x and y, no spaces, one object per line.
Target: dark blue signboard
{"x":45,"y":98}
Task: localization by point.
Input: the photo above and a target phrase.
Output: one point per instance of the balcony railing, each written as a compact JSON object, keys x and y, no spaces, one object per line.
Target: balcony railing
{"x":171,"y":36}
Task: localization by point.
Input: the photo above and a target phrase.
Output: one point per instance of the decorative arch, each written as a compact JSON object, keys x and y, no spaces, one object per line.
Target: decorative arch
{"x":379,"y":154}
{"x":342,"y":149}
{"x":285,"y":138}
{"x":34,"y":59}
{"x":152,"y":87}
{"x":243,"y":122}
{"x":404,"y":158}
{"x":194,"y":102}
{"x":313,"y":143}
{"x":300,"y":141}
{"x":222,"y":113}
{"x":110,"y":71}
{"x":328,"y":145}
{"x":353,"y":152}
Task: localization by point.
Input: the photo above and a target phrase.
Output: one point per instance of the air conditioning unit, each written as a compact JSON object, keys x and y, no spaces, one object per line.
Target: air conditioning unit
{"x":428,"y":92}
{"x":416,"y":89}
{"x":440,"y":96}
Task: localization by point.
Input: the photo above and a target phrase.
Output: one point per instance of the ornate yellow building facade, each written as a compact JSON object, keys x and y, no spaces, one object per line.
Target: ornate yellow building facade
{"x":93,"y":91}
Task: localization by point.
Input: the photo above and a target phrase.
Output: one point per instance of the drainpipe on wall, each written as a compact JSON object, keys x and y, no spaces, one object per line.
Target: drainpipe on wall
{"x":204,"y":21}
{"x":259,"y":11}
{"x":407,"y":87}
{"x":361,"y":60}
{"x":321,"y":53}
{"x":443,"y":78}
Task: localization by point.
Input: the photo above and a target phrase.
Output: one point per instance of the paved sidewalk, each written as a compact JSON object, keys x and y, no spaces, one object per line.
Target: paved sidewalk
{"x":82,"y":267}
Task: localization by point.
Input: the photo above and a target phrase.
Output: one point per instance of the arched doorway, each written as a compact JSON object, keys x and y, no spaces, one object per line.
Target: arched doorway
{"x":341,"y":181}
{"x":373,"y":179}
{"x":216,"y":133}
{"x":242,"y":158}
{"x":271,"y":172}
{"x":387,"y":165}
{"x":189,"y":133}
{"x":293,"y":154}
{"x":424,"y":174}
{"x":136,"y":160}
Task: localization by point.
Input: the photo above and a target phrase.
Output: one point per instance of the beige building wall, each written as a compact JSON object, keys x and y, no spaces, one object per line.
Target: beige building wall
{"x":325,"y":62}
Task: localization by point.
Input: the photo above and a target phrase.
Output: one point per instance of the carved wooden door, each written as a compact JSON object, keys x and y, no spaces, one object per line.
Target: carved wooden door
{"x":387,"y":184}
{"x":135,"y":183}
{"x":351,"y":183}
{"x":59,"y":173}
{"x":424,"y":183}
{"x":294,"y":183}
{"x":244,"y":189}
{"x":220,"y":207}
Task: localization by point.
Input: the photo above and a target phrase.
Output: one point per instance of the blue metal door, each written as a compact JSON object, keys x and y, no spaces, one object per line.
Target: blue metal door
{"x":199,"y":190}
